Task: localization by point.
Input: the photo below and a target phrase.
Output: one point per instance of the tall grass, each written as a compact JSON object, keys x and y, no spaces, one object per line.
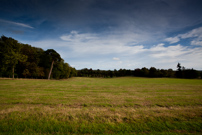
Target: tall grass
{"x":101,"y":106}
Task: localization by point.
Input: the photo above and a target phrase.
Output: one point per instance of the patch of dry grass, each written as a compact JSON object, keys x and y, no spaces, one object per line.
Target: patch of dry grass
{"x":107,"y":105}
{"x":102,"y":114}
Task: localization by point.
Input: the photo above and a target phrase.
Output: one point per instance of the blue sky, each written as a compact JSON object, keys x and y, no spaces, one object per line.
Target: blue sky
{"x":110,"y":34}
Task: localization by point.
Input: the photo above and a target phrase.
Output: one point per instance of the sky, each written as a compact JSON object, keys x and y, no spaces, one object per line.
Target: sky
{"x":109,"y":34}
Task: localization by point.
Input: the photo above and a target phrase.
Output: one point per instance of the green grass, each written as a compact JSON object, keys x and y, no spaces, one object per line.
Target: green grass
{"x":125,"y":105}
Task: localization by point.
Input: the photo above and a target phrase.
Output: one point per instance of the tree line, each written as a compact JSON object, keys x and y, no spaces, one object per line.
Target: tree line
{"x":143,"y":72}
{"x":24,"y":61}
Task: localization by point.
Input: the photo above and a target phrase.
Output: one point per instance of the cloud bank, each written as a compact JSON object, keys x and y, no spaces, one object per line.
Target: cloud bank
{"x":96,"y":51}
{"x":195,"y":35}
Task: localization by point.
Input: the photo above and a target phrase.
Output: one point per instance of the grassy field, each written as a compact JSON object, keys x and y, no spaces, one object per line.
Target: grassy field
{"x":101,"y":106}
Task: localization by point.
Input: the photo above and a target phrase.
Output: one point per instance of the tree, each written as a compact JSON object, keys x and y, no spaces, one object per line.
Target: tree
{"x":179,"y":71}
{"x":13,"y":58}
{"x":12,"y":53}
{"x":179,"y":67}
{"x":138,"y":72}
{"x":73,"y":72}
{"x":153,"y":72}
{"x":191,"y":73}
{"x":26,"y":73}
{"x":170,"y":73}
{"x":66,"y":70}
{"x":54,"y":57}
{"x":27,"y":61}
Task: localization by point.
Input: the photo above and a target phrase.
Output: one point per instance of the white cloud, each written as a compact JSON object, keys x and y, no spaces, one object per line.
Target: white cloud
{"x":173,"y":39}
{"x":115,"y":58}
{"x":17,"y":23}
{"x":74,"y":36}
{"x":87,"y":43}
{"x":196,"y":34}
{"x":196,"y":42}
{"x":193,"y":33}
{"x":159,"y":47}
{"x":160,"y":51}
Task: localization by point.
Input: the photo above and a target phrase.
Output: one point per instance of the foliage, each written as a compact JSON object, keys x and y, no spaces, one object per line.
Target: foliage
{"x":30,"y":62}
{"x":11,"y":53}
{"x":182,"y":72}
{"x":144,"y":72}
{"x":54,"y":57}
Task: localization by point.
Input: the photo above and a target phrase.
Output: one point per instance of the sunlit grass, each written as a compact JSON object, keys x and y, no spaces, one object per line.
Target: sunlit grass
{"x":101,"y":106}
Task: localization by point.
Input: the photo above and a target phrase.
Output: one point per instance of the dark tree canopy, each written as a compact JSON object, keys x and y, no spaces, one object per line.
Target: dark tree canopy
{"x":11,"y":53}
{"x":182,"y":72}
{"x":144,"y":72}
{"x":31,"y":62}
{"x":54,"y":57}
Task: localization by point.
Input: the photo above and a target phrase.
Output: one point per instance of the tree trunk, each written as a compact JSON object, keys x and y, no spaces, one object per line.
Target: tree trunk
{"x":50,"y":70}
{"x":13,"y":72}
